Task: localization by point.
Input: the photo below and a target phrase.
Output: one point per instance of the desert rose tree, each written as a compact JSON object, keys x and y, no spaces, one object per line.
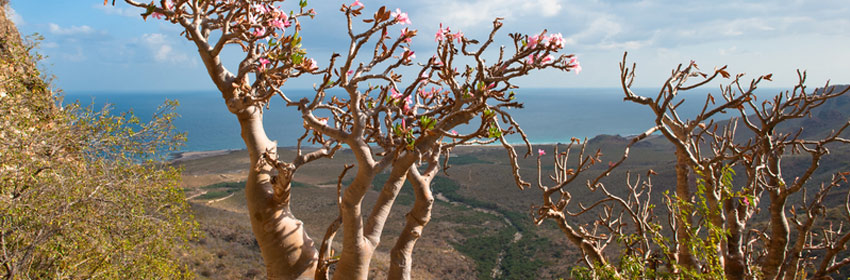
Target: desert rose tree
{"x":403,"y":126}
{"x":709,"y":231}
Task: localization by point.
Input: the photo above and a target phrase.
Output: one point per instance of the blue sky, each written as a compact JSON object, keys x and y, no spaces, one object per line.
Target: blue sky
{"x":95,"y":48}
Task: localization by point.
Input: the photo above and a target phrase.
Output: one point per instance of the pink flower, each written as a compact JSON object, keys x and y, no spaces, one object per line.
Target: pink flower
{"x":259,"y":31}
{"x":541,"y":152}
{"x":403,"y":123}
{"x":532,"y":41}
{"x":424,"y":77}
{"x":547,"y":59}
{"x":747,"y":201}
{"x":262,"y":9}
{"x":285,"y":19}
{"x":357,"y":4}
{"x":556,"y":40}
{"x":441,"y":35}
{"x":530,"y":59}
{"x":157,"y":15}
{"x":576,"y":66}
{"x":323,"y":121}
{"x":404,"y":33}
{"x":400,"y":17}
{"x":407,"y":102}
{"x":263,"y":63}
{"x":395,"y":94}
{"x":278,"y":23}
{"x":458,"y":36}
{"x":312,"y":65}
{"x":350,"y":72}
{"x":409,"y":56}
{"x":454,"y":132}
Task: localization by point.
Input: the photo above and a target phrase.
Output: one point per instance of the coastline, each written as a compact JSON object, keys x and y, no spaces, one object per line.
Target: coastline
{"x":186,"y":156}
{"x":193,"y":155}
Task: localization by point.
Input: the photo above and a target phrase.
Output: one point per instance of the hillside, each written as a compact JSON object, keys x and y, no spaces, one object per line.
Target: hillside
{"x":466,"y":236}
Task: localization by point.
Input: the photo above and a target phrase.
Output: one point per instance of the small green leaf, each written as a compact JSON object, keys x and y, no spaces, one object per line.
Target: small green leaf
{"x":302,"y":3}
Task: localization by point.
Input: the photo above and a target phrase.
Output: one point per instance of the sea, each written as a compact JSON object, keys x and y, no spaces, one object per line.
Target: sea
{"x":549,"y":115}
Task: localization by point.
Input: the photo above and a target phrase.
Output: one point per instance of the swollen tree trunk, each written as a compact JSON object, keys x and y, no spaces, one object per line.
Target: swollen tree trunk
{"x":683,"y":218}
{"x":735,"y":265}
{"x":401,"y":255}
{"x":779,"y":229}
{"x":288,"y":252}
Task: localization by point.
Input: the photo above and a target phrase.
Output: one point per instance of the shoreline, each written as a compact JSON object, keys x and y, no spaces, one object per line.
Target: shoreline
{"x":193,"y":155}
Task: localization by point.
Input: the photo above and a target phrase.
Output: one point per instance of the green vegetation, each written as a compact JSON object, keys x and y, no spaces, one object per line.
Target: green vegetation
{"x":84,"y":193}
{"x":467,"y":159}
{"x":481,"y":245}
{"x":221,"y":190}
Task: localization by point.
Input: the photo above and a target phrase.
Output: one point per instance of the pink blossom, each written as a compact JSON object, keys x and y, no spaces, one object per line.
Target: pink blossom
{"x":350,"y":72}
{"x":747,"y":201}
{"x":407,"y":102}
{"x":530,"y":59}
{"x":409,"y":56}
{"x":312,"y":64}
{"x":400,"y":17}
{"x":532,"y":41}
{"x":395,"y":94}
{"x":424,"y":77}
{"x":279,"y":23}
{"x":260,"y":8}
{"x":458,"y":36}
{"x":442,"y":34}
{"x":357,"y":4}
{"x":263,"y":63}
{"x":259,"y":31}
{"x":576,"y":65}
{"x":285,"y":19}
{"x":157,"y":15}
{"x":556,"y":40}
{"x":547,"y":59}
{"x":541,"y":152}
{"x":454,"y":132}
{"x":323,"y":121}
{"x":404,"y":33}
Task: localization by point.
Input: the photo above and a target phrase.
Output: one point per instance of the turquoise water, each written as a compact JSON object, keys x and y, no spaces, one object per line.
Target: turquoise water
{"x":549,"y":116}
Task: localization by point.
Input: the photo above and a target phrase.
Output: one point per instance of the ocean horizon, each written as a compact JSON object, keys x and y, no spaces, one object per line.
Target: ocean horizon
{"x":549,"y":116}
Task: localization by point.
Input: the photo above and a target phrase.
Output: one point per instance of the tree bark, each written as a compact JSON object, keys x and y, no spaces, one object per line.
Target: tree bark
{"x":401,"y":255}
{"x":288,"y":252}
{"x":683,"y":218}
{"x":779,"y":229}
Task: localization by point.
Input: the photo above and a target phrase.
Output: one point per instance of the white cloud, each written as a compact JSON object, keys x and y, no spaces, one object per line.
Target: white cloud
{"x":73,"y":30}
{"x":116,"y":10}
{"x":162,"y":51}
{"x":14,"y":16}
{"x":471,"y":13}
{"x":547,"y":8}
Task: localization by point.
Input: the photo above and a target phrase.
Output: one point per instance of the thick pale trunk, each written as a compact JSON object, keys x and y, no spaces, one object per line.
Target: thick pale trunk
{"x":683,"y":218}
{"x":356,"y":250}
{"x":401,"y":256}
{"x":288,"y":252}
{"x":713,"y":196}
{"x":779,"y":229}
{"x":735,"y":265}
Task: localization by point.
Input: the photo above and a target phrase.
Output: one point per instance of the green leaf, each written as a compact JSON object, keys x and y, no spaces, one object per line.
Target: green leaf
{"x":302,"y":3}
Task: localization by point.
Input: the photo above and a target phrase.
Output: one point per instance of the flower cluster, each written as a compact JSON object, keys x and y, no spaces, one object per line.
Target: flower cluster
{"x":273,"y":16}
{"x":554,"y":40}
{"x":446,"y":33}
